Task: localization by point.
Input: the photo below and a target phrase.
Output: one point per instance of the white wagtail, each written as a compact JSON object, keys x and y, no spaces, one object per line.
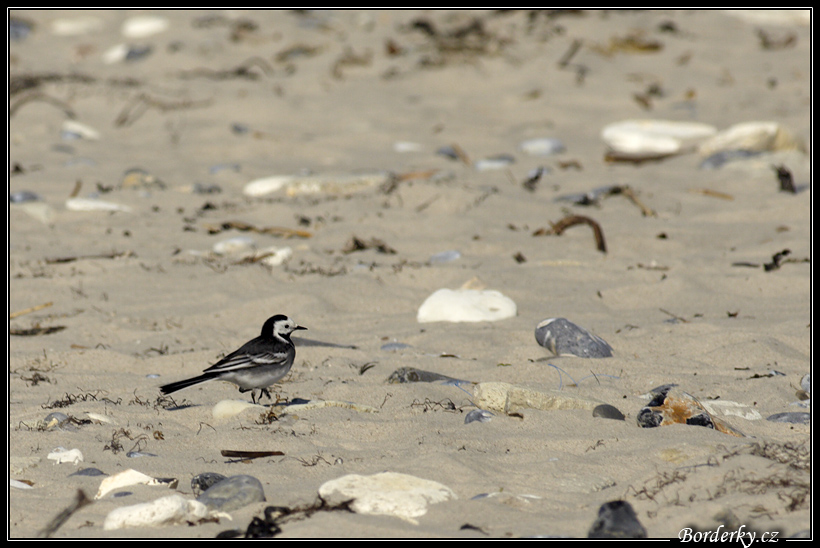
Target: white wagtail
{"x":256,"y":365}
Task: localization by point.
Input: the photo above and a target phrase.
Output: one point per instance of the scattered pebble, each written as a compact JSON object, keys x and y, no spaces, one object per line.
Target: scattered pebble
{"x":671,"y":405}
{"x":386,"y":493}
{"x":793,"y":417}
{"x":587,"y":198}
{"x":564,"y":338}
{"x":723,"y":157}
{"x":143,"y":26}
{"x":500,"y":161}
{"x":76,"y":26}
{"x":72,"y":130}
{"x":478,"y":415}
{"x":647,"y":139}
{"x":138,"y":454}
{"x":543,"y":146}
{"x":19,"y":28}
{"x":234,"y":246}
{"x":89,"y":472}
{"x":23,"y":196}
{"x":466,"y":305}
{"x":406,"y":146}
{"x":607,"y":411}
{"x":92,"y":204}
{"x":139,"y":179}
{"x":616,"y":519}
{"x":233,"y":493}
{"x":445,"y":257}
{"x":393,"y":346}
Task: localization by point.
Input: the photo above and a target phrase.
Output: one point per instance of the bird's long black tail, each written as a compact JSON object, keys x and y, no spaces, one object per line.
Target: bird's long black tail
{"x":179,"y":385}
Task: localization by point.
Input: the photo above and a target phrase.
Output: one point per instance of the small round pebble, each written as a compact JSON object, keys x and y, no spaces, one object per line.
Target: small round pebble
{"x":607,"y":411}
{"x":478,"y":415}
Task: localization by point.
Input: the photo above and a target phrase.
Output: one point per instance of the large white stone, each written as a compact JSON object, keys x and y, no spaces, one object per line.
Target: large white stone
{"x":387,"y":493}
{"x":466,"y":305}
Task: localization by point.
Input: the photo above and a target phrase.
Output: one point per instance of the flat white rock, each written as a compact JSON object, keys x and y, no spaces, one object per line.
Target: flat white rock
{"x":387,"y":493}
{"x":466,"y":305}
{"x":173,"y":509}
{"x":654,"y":138}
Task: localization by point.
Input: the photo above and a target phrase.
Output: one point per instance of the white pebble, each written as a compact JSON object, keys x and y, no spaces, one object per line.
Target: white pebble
{"x":90,"y":204}
{"x":76,"y":26}
{"x":276,"y":256}
{"x":466,"y":305}
{"x":234,"y":246}
{"x":173,"y":509}
{"x":79,"y":130}
{"x":541,"y":146}
{"x":143,"y":26}
{"x":61,"y":455}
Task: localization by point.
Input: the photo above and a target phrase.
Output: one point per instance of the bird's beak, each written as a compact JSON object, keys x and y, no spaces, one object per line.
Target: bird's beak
{"x":300,"y":327}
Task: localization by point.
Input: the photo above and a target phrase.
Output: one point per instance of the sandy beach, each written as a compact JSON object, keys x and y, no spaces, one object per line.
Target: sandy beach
{"x":390,"y":148}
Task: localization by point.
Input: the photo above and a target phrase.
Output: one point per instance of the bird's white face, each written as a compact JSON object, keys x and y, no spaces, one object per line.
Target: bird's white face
{"x":284,"y":327}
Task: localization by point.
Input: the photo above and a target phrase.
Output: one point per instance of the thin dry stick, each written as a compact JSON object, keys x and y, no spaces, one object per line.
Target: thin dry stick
{"x":29,"y":310}
{"x":645,"y":210}
{"x":80,"y":500}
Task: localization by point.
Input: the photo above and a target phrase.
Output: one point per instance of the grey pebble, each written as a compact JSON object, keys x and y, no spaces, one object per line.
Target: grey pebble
{"x":445,"y":257}
{"x":137,"y":454}
{"x":617,"y":519}
{"x":202,"y":482}
{"x":90,"y":472}
{"x":393,"y":346}
{"x":233,"y":493}
{"x":478,"y":415}
{"x":494,"y":162}
{"x":794,"y":417}
{"x":22,"y":196}
{"x":719,"y":159}
{"x":607,"y":411}
{"x":564,"y":338}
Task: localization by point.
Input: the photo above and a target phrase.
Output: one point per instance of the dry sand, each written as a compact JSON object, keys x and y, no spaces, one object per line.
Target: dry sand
{"x":221,"y":102}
